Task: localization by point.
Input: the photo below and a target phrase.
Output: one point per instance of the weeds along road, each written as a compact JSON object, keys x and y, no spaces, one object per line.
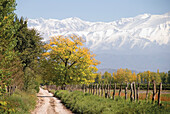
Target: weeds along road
{"x":47,"y":104}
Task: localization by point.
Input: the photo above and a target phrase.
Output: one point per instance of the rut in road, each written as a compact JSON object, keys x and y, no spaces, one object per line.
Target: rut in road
{"x":47,"y":104}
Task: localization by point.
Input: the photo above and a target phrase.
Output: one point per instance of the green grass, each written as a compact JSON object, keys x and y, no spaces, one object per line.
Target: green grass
{"x":87,"y":103}
{"x":19,"y":103}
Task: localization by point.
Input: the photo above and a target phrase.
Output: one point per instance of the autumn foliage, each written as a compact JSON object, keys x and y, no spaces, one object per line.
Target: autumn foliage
{"x":68,"y":61}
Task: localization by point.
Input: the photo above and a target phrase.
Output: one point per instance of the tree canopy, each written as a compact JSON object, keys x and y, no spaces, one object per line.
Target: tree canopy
{"x":69,"y":61}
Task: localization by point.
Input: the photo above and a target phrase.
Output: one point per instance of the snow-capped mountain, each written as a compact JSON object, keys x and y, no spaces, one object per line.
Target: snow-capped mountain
{"x":145,"y":36}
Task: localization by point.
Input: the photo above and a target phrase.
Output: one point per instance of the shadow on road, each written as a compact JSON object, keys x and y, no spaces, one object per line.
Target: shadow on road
{"x":44,"y":96}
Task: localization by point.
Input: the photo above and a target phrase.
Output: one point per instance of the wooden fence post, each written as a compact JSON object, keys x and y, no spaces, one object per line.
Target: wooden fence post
{"x":134,"y":90}
{"x":104,"y":87}
{"x":83,"y":88}
{"x":110,"y":89}
{"x":131,"y":93}
{"x":114,"y":91}
{"x":147,"y":92}
{"x":106,"y":91}
{"x":102,"y":90}
{"x":99,"y":88}
{"x":8,"y":89}
{"x":89,"y":88}
{"x":126,"y":91}
{"x":94,"y":89}
{"x":159,"y":94}
{"x":137,"y":92}
{"x":120,"y":90}
{"x":154,"y":91}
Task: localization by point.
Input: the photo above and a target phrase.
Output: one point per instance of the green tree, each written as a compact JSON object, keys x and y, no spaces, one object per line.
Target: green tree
{"x":98,"y":78}
{"x":10,"y":64}
{"x":169,"y":77}
{"x":120,"y":75}
{"x":107,"y":77}
{"x":29,"y":47}
{"x":164,"y":77}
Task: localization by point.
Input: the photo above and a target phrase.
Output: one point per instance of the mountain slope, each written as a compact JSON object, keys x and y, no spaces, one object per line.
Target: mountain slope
{"x":144,"y":36}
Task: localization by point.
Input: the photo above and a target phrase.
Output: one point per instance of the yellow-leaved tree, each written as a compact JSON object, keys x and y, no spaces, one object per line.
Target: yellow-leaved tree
{"x":69,"y":61}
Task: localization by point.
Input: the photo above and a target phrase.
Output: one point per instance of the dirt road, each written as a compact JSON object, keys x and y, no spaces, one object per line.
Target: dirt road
{"x":47,"y":104}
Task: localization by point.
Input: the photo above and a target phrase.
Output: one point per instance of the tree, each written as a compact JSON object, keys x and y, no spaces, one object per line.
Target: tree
{"x":98,"y":78}
{"x":133,"y":79}
{"x":128,"y":75}
{"x":29,"y":44}
{"x":72,"y":63}
{"x":169,"y":77}
{"x":107,"y":77}
{"x":120,"y":75}
{"x":29,"y":47}
{"x":164,"y":77}
{"x":10,"y":64}
{"x":138,"y":78}
{"x":114,"y":77}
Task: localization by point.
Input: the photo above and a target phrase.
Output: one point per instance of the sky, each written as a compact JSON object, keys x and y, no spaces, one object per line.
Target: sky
{"x":90,"y":10}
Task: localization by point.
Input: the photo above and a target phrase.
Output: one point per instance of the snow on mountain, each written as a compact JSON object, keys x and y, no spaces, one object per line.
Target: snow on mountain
{"x":143,"y":34}
{"x":139,"y":31}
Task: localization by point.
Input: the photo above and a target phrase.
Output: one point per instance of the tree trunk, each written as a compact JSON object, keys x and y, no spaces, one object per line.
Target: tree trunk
{"x":114,"y":91}
{"x":159,"y":94}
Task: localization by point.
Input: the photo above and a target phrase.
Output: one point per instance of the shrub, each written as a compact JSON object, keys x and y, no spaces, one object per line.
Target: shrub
{"x":79,"y":102}
{"x":19,"y":103}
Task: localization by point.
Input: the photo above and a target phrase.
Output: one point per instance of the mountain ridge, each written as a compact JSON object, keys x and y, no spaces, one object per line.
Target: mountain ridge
{"x":144,"y":34}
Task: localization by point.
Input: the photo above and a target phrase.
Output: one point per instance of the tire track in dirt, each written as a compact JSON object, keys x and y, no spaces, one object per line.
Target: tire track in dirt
{"x":47,"y":104}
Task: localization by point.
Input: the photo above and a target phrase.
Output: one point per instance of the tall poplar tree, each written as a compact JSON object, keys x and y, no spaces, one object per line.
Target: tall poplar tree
{"x":10,"y":64}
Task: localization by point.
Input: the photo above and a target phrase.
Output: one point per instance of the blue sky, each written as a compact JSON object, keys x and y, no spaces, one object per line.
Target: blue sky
{"x":90,"y":10}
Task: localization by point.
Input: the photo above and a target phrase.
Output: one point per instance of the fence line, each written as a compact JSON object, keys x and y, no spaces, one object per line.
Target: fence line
{"x":104,"y":90}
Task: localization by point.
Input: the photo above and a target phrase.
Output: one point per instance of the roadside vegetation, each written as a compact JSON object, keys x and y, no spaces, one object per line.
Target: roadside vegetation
{"x":18,"y":103}
{"x":20,"y":48}
{"x":79,"y":102}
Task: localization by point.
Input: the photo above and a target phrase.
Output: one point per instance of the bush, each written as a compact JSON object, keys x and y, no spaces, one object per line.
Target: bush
{"x":87,"y":103}
{"x":37,"y":88}
{"x":19,"y":103}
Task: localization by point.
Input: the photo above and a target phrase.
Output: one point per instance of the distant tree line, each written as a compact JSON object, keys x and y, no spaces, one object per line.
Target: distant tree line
{"x":126,"y":75}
